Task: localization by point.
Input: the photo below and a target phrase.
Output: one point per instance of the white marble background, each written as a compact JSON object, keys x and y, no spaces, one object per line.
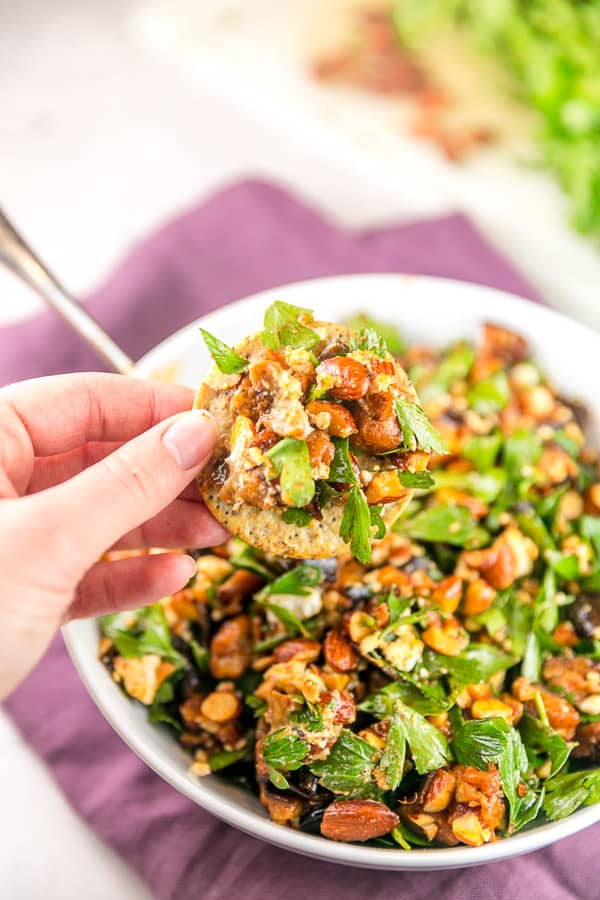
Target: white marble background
{"x":116,"y":114}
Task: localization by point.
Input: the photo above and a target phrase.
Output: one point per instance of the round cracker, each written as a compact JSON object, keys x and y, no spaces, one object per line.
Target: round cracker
{"x":265,"y":528}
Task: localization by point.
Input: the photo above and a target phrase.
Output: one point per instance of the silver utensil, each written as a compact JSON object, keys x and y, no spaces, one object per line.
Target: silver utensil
{"x":20,"y":259}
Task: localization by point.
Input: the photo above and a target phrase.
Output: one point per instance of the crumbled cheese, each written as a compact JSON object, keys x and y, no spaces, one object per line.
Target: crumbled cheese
{"x":303,"y":607}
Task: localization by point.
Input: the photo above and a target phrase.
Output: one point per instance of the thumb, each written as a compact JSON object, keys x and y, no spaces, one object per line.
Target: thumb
{"x":128,"y":487}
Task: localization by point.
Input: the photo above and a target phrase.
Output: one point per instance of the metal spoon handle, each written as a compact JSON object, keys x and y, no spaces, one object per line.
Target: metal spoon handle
{"x":17,"y":256}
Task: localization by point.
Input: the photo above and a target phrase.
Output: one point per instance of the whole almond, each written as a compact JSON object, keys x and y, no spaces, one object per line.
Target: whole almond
{"x":339,"y":652}
{"x":357,"y":820}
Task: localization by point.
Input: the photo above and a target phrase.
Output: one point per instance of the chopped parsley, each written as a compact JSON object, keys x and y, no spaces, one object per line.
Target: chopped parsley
{"x":226,"y":359}
{"x":368,"y":339}
{"x":298,"y":517}
{"x":417,"y":431}
{"x":420,"y":480}
{"x":281,"y":327}
{"x":291,"y":461}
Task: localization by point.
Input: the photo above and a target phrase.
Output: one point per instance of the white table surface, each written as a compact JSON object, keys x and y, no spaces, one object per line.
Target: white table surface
{"x":115,"y":116}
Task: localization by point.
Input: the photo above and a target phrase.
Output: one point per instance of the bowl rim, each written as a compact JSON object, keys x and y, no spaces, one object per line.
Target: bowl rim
{"x":199,"y":791}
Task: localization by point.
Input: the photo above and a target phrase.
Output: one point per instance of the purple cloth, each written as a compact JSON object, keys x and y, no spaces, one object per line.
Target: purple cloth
{"x":246,"y":238}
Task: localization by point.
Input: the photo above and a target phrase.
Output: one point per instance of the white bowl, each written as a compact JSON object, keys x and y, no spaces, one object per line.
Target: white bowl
{"x":427,"y":310}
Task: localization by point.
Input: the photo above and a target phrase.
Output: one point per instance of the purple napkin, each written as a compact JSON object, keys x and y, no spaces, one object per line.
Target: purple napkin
{"x":246,"y":238}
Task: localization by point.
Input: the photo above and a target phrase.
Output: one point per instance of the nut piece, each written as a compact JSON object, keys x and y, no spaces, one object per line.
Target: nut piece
{"x":339,"y":652}
{"x":385,"y":487}
{"x":357,"y":820}
{"x":230,"y":648}
{"x":448,"y":593}
{"x":480,"y":595}
{"x":491,"y":708}
{"x":468,"y":829}
{"x":448,"y":638}
{"x":298,"y":648}
{"x":343,"y":377}
{"x":331,"y":417}
{"x":438,"y":791}
{"x":221,"y":706}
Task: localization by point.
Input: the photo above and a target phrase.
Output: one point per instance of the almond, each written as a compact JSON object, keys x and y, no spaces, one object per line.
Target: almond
{"x":357,"y":820}
{"x":339,"y":652}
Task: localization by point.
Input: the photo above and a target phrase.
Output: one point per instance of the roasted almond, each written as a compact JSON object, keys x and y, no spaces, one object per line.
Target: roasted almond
{"x":357,"y":820}
{"x":339,"y":652}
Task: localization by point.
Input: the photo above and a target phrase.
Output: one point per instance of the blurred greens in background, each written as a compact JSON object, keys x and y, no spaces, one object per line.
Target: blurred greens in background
{"x":552,"y":48}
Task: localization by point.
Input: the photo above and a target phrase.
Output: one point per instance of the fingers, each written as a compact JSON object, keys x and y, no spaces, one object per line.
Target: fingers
{"x":184,"y":523}
{"x":130,"y":583}
{"x":46,"y":416}
{"x":62,"y":412}
{"x":49,"y":471}
{"x":92,"y":511}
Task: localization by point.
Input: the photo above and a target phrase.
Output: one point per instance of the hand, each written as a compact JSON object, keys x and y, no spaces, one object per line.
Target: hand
{"x":90,"y":463}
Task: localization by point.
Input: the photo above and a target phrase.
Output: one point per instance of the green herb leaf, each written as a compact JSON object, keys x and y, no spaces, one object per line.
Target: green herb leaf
{"x":567,"y":792}
{"x":296,"y":517}
{"x":429,"y":699}
{"x":394,"y":755}
{"x":341,"y":470}
{"x":543,"y":742}
{"x":282,"y":329}
{"x":368,"y":339}
{"x":375,"y":513}
{"x":531,"y":667}
{"x":521,"y":450}
{"x":477,"y":662}
{"x":355,"y":528}
{"x":246,"y":557}
{"x":483,"y":741}
{"x":222,"y":759}
{"x":148,"y":633}
{"x":292,"y":463}
{"x":349,"y":767}
{"x":226,"y":359}
{"x":417,"y":430}
{"x":420,"y":480}
{"x":284,"y":750}
{"x":487,"y":486}
{"x":490,"y":395}
{"x":482,"y":450}
{"x":389,"y":333}
{"x":299,"y":581}
{"x":448,"y":524}
{"x":454,"y":366}
{"x":428,"y":746}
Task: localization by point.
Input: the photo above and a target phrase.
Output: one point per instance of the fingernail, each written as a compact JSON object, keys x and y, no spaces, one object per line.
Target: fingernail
{"x":190,"y":438}
{"x":193,"y":567}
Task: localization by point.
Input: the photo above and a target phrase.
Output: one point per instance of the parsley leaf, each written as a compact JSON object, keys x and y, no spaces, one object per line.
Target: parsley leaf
{"x":355,"y":529}
{"x":368,"y":339}
{"x":385,"y":330}
{"x":291,"y":460}
{"x":420,"y":480}
{"x":284,"y":750}
{"x":296,"y":517}
{"x":282,"y":328}
{"x":394,"y":755}
{"x":349,"y":767}
{"x":490,"y":395}
{"x":145,"y":631}
{"x":566,"y":792}
{"x":377,"y":522}
{"x":483,"y":741}
{"x":428,"y":746}
{"x":417,"y":430}
{"x":299,"y":581}
{"x":446,"y":524}
{"x":226,"y":359}
{"x":340,"y":470}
